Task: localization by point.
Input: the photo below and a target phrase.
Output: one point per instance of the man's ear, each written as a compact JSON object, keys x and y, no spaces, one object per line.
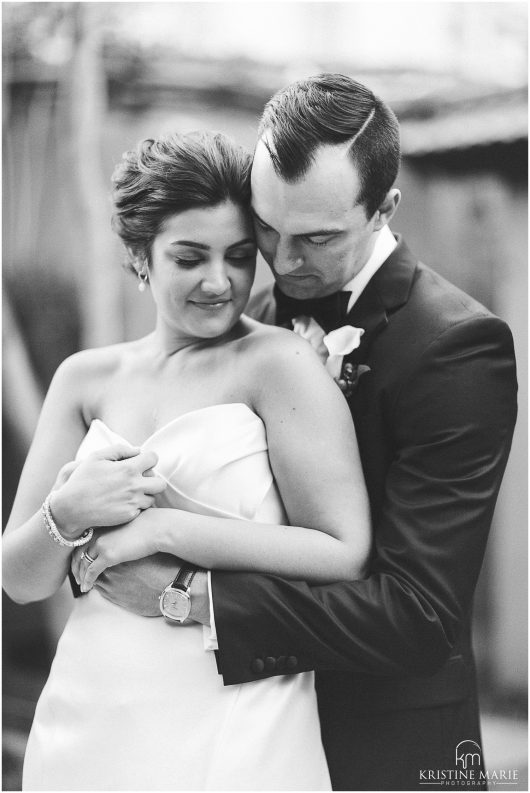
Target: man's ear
{"x":387,"y":208}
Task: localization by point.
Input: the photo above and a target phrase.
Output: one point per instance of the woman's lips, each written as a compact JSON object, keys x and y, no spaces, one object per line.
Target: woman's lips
{"x":210,"y":305}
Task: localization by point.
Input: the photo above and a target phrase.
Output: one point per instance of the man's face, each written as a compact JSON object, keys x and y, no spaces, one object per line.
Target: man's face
{"x":312,"y":233}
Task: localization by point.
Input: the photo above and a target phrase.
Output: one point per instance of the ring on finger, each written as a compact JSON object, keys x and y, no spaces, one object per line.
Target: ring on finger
{"x":86,"y":555}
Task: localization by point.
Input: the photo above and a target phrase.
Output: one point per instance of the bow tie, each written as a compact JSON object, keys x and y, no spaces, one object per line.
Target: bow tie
{"x":330,"y":312}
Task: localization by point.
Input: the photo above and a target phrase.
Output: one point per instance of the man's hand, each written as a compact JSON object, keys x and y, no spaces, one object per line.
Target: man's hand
{"x":136,"y":586}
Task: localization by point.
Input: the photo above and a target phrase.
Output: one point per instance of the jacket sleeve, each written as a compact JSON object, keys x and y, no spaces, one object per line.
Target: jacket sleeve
{"x":451,"y":423}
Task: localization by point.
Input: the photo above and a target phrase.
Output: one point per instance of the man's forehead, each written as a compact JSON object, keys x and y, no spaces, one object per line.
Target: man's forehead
{"x":325,"y":157}
{"x":326,"y":191}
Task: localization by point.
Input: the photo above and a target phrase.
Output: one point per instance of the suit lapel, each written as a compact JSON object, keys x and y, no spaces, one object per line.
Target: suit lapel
{"x":368,"y":313}
{"x":385,"y":293}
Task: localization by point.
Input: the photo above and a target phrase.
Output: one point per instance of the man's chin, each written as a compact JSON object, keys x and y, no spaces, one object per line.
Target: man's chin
{"x":301,"y":288}
{"x":306,"y":288}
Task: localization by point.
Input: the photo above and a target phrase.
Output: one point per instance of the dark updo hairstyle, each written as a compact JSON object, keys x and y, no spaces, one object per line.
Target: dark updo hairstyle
{"x":171,"y":174}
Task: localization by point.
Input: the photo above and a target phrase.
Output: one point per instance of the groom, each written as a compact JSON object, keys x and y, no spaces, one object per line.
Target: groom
{"x":432,"y":392}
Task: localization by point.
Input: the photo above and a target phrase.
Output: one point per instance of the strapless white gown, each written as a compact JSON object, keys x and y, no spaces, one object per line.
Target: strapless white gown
{"x":134,"y":703}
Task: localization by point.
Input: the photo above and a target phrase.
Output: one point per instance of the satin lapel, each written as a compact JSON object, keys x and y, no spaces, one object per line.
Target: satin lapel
{"x":370,"y":314}
{"x":387,"y":291}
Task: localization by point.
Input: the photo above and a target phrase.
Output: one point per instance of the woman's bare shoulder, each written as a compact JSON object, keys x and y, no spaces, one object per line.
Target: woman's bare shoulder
{"x":287,"y":379}
{"x":276,"y":354}
{"x":93,"y":365}
{"x":275,"y":343}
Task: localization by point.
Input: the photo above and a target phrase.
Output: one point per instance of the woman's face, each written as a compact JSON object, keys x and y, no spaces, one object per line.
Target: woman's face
{"x":202,"y":268}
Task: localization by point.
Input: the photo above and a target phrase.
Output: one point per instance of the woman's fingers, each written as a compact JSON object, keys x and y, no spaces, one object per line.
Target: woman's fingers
{"x":81,"y":558}
{"x":117,"y":451}
{"x":144,"y":461}
{"x":106,"y":490}
{"x":82,"y":561}
{"x":153,"y":485}
{"x":92,"y":571}
{"x":65,"y":473}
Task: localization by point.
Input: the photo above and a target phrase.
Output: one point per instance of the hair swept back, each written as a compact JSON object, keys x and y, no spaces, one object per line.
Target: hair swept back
{"x":333,"y":109}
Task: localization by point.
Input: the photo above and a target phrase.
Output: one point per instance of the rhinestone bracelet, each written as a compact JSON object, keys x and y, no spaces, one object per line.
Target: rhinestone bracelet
{"x":54,"y":532}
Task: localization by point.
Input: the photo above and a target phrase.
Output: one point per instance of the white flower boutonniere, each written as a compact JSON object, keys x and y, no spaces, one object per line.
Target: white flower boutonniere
{"x":309,"y":329}
{"x":339,"y":343}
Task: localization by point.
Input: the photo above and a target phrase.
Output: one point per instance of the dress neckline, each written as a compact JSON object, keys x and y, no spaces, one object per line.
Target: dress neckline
{"x":170,"y":423}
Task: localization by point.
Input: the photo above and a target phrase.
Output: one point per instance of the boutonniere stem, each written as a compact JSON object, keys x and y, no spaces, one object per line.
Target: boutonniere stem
{"x":350,"y":376}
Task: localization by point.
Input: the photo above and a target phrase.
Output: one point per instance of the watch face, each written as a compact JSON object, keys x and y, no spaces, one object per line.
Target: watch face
{"x":175,"y":604}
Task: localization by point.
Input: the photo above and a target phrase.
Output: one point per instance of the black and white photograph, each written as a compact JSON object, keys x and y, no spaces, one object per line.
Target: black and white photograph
{"x":265,"y":403}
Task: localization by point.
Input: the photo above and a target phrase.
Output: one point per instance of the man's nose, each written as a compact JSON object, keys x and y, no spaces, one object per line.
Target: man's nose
{"x":286,"y":259}
{"x":216,"y":281}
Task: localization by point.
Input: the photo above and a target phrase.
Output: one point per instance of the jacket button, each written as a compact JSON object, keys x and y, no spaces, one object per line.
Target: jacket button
{"x":280,"y":663}
{"x":291,"y":662}
{"x":257,"y":666}
{"x":270,"y":663}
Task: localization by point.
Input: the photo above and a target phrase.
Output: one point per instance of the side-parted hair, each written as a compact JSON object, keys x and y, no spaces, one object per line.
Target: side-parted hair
{"x":171,"y":174}
{"x":333,"y":109}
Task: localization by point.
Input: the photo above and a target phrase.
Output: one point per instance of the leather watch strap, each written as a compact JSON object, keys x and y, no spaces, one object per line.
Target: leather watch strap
{"x":183,"y":578}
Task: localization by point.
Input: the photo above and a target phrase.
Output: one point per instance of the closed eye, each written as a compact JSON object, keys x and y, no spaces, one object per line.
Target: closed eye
{"x":187,"y":262}
{"x":240,"y":257}
{"x":319,"y":240}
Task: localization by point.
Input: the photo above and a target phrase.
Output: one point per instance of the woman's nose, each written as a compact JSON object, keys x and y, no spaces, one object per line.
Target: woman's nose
{"x":215,"y":281}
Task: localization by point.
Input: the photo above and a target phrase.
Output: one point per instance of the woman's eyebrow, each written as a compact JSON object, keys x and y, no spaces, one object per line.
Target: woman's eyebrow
{"x":191,"y":244}
{"x":204,"y":247}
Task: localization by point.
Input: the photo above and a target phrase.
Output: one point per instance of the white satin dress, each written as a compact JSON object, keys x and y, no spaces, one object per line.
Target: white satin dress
{"x":135,"y":703}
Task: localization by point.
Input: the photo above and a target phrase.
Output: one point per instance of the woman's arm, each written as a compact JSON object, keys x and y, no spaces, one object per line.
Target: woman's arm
{"x":315,"y":461}
{"x":96,"y":492}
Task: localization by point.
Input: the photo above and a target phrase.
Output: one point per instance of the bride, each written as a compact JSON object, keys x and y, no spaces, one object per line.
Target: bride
{"x":214,"y":439}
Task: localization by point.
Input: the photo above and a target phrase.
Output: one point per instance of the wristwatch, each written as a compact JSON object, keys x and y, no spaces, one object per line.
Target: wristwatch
{"x":175,"y":600}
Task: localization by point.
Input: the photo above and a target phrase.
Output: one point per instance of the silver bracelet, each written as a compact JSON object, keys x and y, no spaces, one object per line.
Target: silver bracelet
{"x":54,"y":532}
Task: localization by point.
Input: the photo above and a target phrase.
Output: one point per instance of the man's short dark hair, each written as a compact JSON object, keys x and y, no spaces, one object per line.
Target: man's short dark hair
{"x":333,"y":109}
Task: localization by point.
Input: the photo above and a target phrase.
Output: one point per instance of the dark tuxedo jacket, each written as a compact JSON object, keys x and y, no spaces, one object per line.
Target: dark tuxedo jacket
{"x":434,"y":409}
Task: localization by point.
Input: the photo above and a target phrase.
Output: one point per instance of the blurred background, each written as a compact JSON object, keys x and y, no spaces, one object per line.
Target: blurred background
{"x":83,"y":82}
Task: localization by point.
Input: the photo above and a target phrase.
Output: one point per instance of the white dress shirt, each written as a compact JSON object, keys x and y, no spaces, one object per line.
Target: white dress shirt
{"x":309,"y":329}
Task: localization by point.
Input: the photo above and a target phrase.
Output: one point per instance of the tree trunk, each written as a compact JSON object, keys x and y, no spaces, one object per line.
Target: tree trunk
{"x":22,"y":394}
{"x":100,"y":282}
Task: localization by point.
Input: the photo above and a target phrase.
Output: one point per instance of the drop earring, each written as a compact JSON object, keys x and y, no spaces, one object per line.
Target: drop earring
{"x":142,"y":280}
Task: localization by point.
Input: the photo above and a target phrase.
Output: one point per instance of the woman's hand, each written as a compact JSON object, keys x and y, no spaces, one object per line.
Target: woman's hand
{"x":64,"y":474}
{"x":126,"y":543}
{"x":110,"y":487}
